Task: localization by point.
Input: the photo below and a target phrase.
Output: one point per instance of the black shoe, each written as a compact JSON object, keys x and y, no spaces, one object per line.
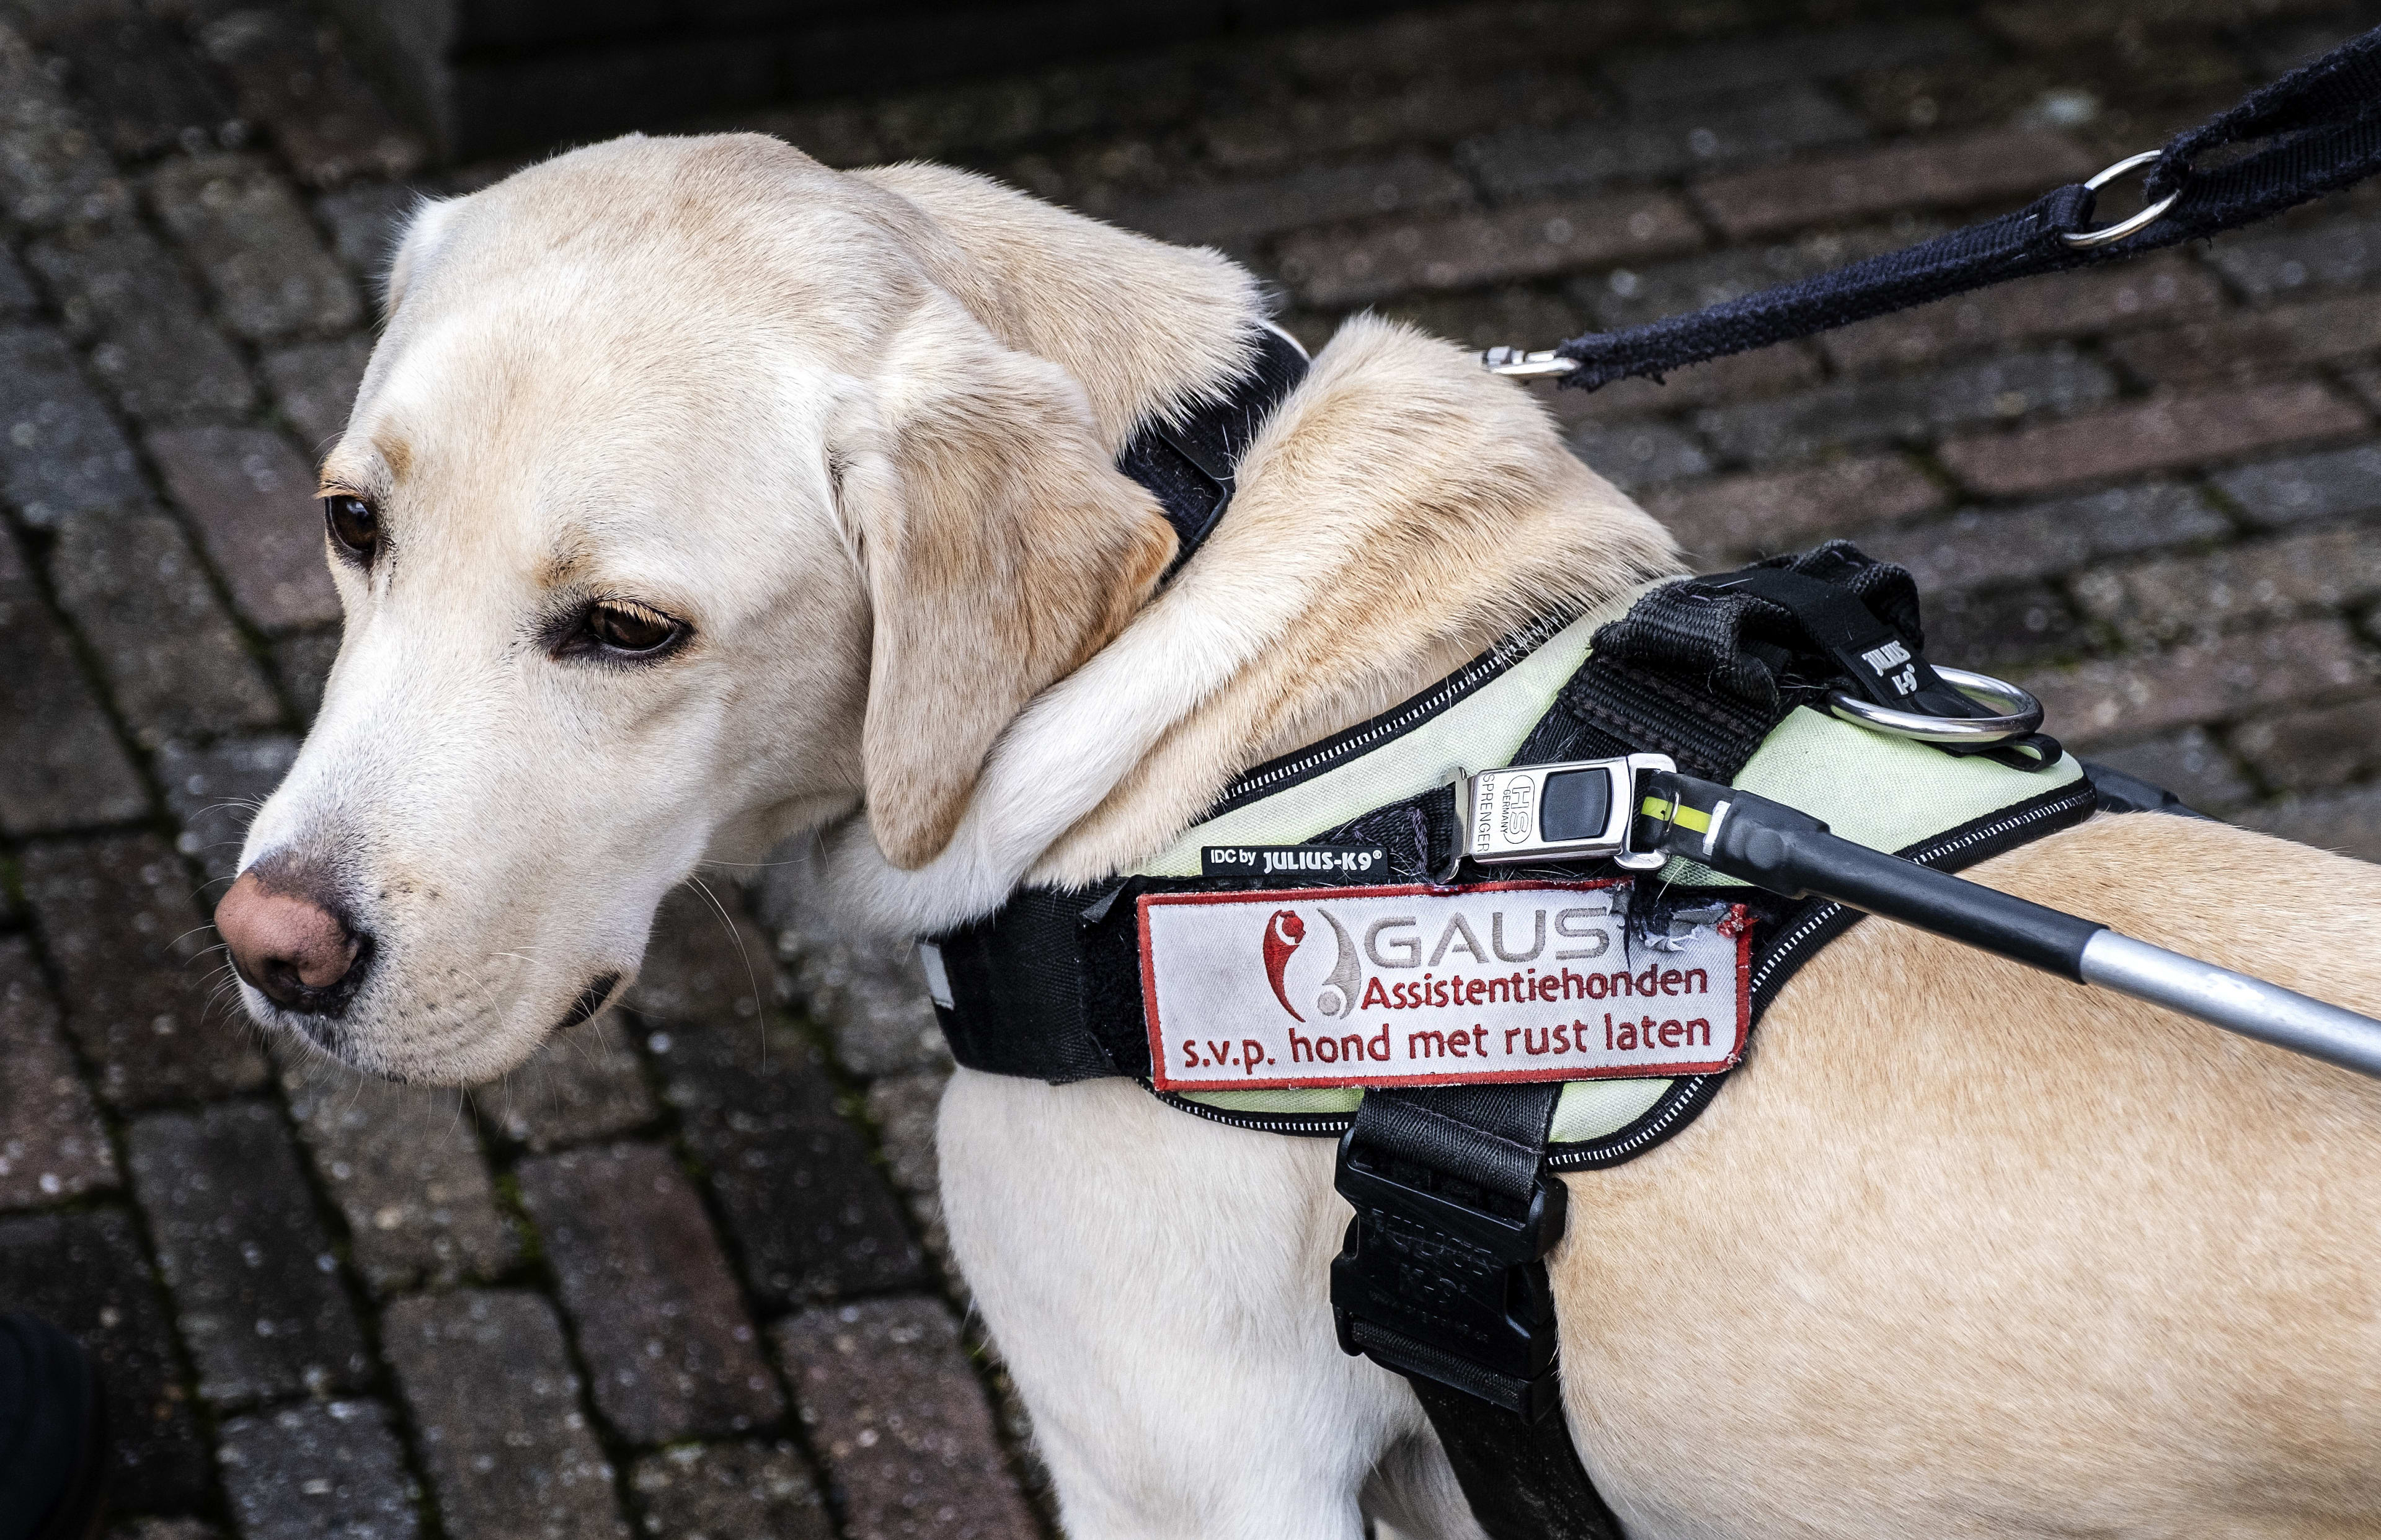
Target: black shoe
{"x":52,"y":1434}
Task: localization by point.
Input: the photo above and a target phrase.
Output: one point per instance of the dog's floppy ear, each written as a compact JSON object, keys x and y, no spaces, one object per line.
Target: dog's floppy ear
{"x":1001,"y":548}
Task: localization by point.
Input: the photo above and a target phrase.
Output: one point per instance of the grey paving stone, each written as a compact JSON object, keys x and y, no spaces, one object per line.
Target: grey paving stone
{"x":146,"y":91}
{"x":583,"y":1085}
{"x":214,"y":791}
{"x":52,"y":1146}
{"x":1228,"y":212}
{"x":289,"y":73}
{"x":150,"y":1527}
{"x":84,"y":1273}
{"x":1746,"y":66}
{"x":314,"y":385}
{"x":867,"y":991}
{"x":729,"y":1492}
{"x":1859,"y":412}
{"x":1630,"y":296}
{"x":2115,"y":299}
{"x":303,"y":663}
{"x":2348,"y":821}
{"x":60,"y":765}
{"x":1377,"y":115}
{"x":2274,"y":49}
{"x":52,"y":168}
{"x":366,"y":222}
{"x":151,"y":342}
{"x":1981,"y":166}
{"x":904,"y":1108}
{"x":2266,"y":265}
{"x":812,"y":1216}
{"x":255,"y":1286}
{"x":253,"y":240}
{"x":1630,"y":455}
{"x":2314,"y":750}
{"x":2191,"y":763}
{"x":706,"y":961}
{"x":2299,"y":488}
{"x":1526,"y":162}
{"x":59,"y":453}
{"x":133,"y":953}
{"x":16,"y":290}
{"x":672,"y":1353}
{"x":328,"y":1472}
{"x":2113,"y":700}
{"x":404,"y":1165}
{"x":2003,"y":628}
{"x":174,"y":662}
{"x":901,"y":1422}
{"x":2254,"y":344}
{"x":1340,"y":267}
{"x":2268,"y":580}
{"x":2165,"y":433}
{"x":496,"y":1418}
{"x":1494,"y":317}
{"x":1978,"y":545}
{"x":251,"y":499}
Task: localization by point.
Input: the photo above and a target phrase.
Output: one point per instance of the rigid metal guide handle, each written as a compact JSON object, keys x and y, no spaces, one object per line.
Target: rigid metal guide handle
{"x":1791,"y":853}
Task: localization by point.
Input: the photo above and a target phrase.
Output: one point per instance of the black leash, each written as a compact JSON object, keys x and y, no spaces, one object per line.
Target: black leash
{"x":2316,"y":130}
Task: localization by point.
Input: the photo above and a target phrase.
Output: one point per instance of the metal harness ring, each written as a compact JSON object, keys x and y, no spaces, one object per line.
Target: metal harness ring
{"x":2021,"y":713}
{"x":2122,"y":227}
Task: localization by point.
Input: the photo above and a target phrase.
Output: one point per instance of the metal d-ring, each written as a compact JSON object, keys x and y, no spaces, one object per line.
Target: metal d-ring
{"x":2122,"y":227}
{"x":2020,"y":713}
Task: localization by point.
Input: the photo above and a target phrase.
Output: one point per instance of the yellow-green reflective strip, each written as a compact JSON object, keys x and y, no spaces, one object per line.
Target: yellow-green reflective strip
{"x":1679,"y":813}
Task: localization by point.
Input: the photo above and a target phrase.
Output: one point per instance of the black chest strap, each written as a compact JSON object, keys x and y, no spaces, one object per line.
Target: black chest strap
{"x":1443,"y":1278}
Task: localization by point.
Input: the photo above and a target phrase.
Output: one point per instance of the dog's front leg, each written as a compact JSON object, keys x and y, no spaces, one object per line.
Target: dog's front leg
{"x":1158,"y":1284}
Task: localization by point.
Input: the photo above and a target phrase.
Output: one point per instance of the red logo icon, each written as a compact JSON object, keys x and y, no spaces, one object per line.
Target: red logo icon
{"x":1283,"y":932}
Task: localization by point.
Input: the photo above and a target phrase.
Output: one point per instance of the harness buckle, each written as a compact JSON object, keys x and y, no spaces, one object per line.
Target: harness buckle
{"x":1432,"y":1281}
{"x":1578,"y":810}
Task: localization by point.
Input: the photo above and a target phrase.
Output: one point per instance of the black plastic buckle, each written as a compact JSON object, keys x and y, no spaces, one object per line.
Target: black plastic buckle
{"x":1431,"y":1282}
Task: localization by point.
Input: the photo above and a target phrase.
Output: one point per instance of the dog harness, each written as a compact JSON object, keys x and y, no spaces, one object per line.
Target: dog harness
{"x":1389,"y":937}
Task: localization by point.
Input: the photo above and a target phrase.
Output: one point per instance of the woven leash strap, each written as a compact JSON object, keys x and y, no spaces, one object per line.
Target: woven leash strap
{"x":2314,"y":131}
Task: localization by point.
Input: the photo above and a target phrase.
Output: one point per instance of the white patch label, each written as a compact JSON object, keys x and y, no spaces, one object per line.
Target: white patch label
{"x":1495,"y":982}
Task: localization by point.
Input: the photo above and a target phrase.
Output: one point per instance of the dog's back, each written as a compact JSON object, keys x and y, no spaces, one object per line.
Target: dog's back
{"x":1965,"y":1250}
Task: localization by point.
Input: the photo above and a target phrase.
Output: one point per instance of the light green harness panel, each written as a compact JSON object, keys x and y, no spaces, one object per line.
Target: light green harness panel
{"x":1886,"y":793}
{"x":1484,"y":729}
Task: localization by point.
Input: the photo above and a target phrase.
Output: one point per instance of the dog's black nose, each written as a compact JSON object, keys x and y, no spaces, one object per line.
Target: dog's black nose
{"x":289,"y":940}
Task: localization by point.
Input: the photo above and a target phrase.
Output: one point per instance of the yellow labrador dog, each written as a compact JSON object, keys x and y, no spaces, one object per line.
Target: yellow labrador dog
{"x":697,"y":494}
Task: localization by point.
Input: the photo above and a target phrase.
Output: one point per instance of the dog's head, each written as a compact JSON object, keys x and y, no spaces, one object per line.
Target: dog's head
{"x":695,"y":493}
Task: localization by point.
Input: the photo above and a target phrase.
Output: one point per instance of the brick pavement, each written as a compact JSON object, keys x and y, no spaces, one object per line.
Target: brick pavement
{"x":685,"y":1272}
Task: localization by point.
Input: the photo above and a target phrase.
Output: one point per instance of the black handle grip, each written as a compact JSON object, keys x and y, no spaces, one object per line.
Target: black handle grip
{"x":1787,"y":851}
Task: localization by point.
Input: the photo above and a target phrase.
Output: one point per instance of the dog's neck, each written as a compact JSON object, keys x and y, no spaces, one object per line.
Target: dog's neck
{"x":1399,"y":512}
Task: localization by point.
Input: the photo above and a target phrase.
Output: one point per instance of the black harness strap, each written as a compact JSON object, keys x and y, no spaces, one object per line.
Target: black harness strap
{"x":1190,"y":464}
{"x":1443,"y":1278}
{"x":2320,"y":128}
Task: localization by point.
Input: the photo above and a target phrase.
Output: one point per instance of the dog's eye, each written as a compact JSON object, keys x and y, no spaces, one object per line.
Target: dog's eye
{"x":355,"y":526}
{"x":630,"y":629}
